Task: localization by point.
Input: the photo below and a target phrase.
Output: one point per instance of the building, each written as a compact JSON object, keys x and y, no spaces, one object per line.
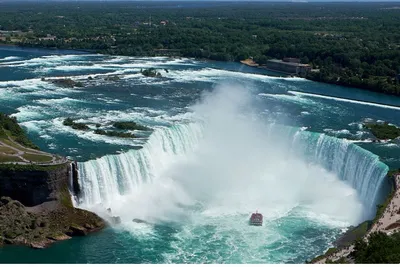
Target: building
{"x":288,"y":65}
{"x":291,"y":59}
{"x":48,"y":37}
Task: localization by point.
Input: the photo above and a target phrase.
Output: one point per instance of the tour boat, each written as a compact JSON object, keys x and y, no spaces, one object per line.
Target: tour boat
{"x":256,"y":219}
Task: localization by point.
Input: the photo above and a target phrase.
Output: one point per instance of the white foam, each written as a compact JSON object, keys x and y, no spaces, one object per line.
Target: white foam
{"x":11,"y":58}
{"x":343,"y":100}
{"x":212,"y":75}
{"x":71,"y":68}
{"x":289,"y":98}
{"x":391,"y":145}
{"x":357,"y":124}
{"x":44,"y":60}
{"x":29,"y":113}
{"x":360,"y":141}
{"x":57,"y":101}
{"x":338,"y":132}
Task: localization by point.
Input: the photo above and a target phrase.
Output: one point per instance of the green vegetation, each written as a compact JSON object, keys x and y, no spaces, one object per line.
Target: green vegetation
{"x":150,"y":73}
{"x":383,"y":130}
{"x":77,"y":126}
{"x":351,"y":44}
{"x":15,"y":147}
{"x":353,"y":234}
{"x":381,"y":248}
{"x":118,"y":125}
{"x":37,"y":158}
{"x":7,"y":150}
{"x":128,"y":125}
{"x":30,"y":167}
{"x":330,"y":251}
{"x":9,"y":128}
{"x":114,"y":133}
{"x":8,"y":158}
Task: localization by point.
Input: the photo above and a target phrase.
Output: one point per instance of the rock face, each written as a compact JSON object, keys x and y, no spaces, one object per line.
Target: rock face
{"x":33,"y":187}
{"x":36,"y":208}
{"x":75,"y":187}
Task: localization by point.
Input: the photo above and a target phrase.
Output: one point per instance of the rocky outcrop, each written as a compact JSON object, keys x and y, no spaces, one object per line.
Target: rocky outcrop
{"x":64,"y":82}
{"x":36,"y":208}
{"x":33,"y":187}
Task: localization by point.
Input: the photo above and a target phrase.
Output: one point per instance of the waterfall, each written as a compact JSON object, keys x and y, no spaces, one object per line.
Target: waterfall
{"x":105,"y":179}
{"x":358,"y":167}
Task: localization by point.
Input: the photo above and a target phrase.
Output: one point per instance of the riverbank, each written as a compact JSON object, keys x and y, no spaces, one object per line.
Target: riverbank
{"x":248,"y":62}
{"x":314,"y":76}
{"x":387,"y":222}
{"x":46,"y":49}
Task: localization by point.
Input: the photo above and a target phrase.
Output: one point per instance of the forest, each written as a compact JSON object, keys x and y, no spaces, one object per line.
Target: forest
{"x":380,"y":248}
{"x":351,"y":44}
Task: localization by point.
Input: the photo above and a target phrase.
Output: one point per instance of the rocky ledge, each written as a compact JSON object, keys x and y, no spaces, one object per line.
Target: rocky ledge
{"x":51,"y":217}
{"x":42,"y":225}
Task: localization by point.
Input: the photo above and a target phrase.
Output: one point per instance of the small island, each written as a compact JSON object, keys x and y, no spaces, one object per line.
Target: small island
{"x":120,"y":127}
{"x":129,"y":125}
{"x":114,"y":134}
{"x":383,"y":131}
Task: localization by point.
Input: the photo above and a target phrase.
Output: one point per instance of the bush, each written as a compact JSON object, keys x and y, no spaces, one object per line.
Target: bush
{"x":129,"y":126}
{"x":383,"y":131}
{"x":380,"y":248}
{"x":10,"y":127}
{"x":114,"y":133}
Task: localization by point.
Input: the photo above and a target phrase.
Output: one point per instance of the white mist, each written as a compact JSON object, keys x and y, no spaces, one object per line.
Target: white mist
{"x":235,"y":169}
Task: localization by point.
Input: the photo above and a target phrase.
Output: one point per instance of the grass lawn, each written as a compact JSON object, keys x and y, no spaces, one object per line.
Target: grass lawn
{"x":37,"y":158}
{"x":17,"y":146}
{"x":7,"y":150}
{"x":8,"y":158}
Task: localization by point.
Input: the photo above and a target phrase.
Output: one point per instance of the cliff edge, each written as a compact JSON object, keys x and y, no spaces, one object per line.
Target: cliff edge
{"x":36,"y":208}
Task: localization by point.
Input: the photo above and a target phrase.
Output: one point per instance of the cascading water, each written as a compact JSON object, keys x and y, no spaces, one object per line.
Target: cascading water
{"x":220,"y":132}
{"x":105,"y":179}
{"x":351,"y":163}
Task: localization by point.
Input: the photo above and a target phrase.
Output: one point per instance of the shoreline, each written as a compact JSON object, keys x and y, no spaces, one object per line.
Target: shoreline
{"x":388,"y":222}
{"x":16,"y":46}
{"x":253,"y":64}
{"x":245,"y":62}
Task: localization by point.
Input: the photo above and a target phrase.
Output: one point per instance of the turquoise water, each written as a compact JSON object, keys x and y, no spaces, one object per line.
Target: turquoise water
{"x":185,"y":225}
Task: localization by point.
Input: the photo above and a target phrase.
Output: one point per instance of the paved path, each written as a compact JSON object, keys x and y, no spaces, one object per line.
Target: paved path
{"x":21,"y":150}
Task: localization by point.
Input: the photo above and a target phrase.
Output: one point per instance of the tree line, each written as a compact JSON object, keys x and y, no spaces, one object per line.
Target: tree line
{"x":352,"y":44}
